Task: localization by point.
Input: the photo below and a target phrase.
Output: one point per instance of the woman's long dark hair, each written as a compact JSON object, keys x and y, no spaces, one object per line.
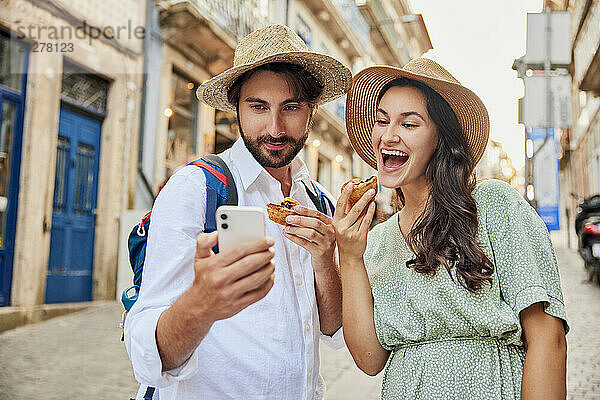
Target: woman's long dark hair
{"x":446,"y":232}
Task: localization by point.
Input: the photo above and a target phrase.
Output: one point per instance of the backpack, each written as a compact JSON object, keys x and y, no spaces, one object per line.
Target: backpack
{"x":220,"y":190}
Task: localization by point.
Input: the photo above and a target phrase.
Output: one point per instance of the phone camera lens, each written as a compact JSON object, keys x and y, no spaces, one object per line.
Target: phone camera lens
{"x":223,"y":216}
{"x":224,"y":226}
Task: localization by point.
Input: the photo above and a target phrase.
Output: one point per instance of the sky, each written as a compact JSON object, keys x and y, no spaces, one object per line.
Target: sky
{"x":477,"y":42}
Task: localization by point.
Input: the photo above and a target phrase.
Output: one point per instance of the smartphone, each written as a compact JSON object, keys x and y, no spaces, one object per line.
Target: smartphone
{"x":239,"y":224}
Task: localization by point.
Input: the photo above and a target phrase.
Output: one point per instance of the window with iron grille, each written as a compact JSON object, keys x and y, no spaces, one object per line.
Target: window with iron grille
{"x":304,"y":32}
{"x":12,"y":56}
{"x":83,"y":88}
{"x":324,"y":171}
{"x":182,"y":114}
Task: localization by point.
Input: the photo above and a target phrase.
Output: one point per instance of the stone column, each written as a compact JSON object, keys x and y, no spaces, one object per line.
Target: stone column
{"x":38,"y":162}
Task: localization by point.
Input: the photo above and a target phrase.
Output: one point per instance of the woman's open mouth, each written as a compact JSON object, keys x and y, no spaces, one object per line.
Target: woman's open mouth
{"x":393,"y":159}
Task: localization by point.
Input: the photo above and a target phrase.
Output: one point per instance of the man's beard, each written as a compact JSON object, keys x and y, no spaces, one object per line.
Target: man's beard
{"x":273,"y":158}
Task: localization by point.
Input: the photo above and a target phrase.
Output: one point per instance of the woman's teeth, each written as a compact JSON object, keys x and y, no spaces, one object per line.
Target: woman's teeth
{"x":393,"y":153}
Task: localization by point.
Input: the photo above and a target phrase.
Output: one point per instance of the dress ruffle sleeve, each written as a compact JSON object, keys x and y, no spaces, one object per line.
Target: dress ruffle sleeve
{"x":523,"y":254}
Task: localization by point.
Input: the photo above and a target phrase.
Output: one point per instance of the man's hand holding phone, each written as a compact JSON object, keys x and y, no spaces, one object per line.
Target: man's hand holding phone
{"x":227,"y":282}
{"x":224,"y":284}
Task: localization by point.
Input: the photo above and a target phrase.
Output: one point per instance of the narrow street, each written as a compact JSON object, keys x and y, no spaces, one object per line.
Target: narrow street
{"x":81,"y":356}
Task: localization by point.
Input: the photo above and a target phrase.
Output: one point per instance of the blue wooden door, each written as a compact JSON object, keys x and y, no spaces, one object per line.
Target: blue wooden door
{"x":11,"y":130}
{"x":13,"y":81}
{"x":73,"y":218}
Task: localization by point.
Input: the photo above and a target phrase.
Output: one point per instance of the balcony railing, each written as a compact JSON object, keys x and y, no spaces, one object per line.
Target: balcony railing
{"x":388,"y":36}
{"x":337,"y":107}
{"x":239,"y":18}
{"x":353,"y":16}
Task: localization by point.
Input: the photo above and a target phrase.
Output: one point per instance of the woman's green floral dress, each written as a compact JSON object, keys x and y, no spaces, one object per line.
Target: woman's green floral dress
{"x":446,"y":342}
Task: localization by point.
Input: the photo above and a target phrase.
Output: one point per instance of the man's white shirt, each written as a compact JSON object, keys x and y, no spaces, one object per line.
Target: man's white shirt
{"x":269,"y":350}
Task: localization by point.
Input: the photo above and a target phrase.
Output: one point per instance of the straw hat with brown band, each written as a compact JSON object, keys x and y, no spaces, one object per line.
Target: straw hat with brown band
{"x":361,"y":104}
{"x":276,"y":43}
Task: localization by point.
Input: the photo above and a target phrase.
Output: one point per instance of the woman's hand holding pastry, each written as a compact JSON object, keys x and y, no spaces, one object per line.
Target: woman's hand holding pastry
{"x":351,"y":223}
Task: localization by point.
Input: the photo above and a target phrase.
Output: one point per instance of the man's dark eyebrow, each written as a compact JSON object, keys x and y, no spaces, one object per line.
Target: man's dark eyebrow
{"x":283,"y":103}
{"x":255,"y":100}
{"x":292,"y":100}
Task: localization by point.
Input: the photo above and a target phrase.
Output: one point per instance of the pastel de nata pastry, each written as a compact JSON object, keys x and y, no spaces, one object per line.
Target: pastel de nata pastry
{"x":279,"y":211}
{"x":360,"y":188}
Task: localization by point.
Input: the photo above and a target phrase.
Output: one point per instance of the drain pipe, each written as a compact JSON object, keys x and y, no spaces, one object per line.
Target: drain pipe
{"x":146,"y":50}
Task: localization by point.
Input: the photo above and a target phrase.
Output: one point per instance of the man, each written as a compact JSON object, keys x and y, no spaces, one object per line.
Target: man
{"x":245,"y":323}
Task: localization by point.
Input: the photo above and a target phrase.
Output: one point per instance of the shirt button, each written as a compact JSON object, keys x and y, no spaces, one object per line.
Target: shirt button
{"x":299,"y":281}
{"x":309,"y":375}
{"x":307,"y":328}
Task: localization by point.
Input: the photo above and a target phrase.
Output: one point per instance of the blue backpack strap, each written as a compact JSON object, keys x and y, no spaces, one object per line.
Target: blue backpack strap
{"x":137,"y":247}
{"x":149,"y":394}
{"x":219,"y":164}
{"x":220,"y":189}
{"x":325,"y":201}
{"x":320,"y":200}
{"x":136,"y":244}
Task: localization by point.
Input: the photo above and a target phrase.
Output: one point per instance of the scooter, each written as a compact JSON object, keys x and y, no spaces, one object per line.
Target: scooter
{"x":587,"y":227}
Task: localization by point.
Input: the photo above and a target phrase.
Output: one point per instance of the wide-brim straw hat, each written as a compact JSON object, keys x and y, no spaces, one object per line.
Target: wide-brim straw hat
{"x":361,"y":105}
{"x":276,"y":43}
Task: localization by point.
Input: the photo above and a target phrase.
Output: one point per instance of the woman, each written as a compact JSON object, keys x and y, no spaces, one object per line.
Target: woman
{"x":458,"y":292}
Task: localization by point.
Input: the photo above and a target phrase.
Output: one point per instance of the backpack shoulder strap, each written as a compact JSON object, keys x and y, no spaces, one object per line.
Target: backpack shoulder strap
{"x":315,"y":198}
{"x":216,"y":161}
{"x":322,"y":203}
{"x":325,"y":200}
{"x":220,"y":189}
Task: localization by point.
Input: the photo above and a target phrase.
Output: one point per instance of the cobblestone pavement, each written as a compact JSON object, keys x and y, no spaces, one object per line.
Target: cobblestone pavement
{"x":582,"y":301}
{"x":80,"y":356}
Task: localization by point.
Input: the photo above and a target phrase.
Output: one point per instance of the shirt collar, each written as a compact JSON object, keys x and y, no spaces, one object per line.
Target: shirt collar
{"x":300,"y":173}
{"x":249,"y":169}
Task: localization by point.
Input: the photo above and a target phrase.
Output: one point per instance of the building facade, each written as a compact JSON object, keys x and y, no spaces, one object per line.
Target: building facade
{"x":580,"y":146}
{"x":70,"y":74}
